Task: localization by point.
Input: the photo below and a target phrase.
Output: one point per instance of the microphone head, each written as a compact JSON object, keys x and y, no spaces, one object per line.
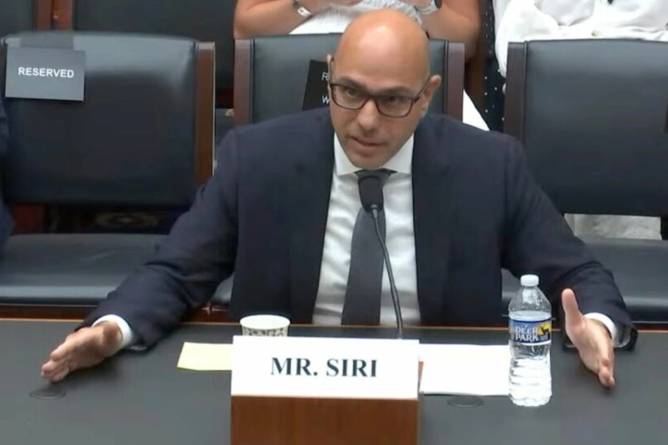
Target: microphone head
{"x":371,"y":190}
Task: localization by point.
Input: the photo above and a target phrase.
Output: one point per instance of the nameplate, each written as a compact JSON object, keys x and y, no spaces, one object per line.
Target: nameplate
{"x":45,"y":73}
{"x":315,"y":91}
{"x":325,"y":368}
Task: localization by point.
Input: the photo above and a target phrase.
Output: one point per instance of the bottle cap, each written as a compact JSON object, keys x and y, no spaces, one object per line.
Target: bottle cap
{"x":529,"y":280}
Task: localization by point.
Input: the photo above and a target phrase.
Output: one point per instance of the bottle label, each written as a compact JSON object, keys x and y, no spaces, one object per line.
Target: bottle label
{"x":533,"y":333}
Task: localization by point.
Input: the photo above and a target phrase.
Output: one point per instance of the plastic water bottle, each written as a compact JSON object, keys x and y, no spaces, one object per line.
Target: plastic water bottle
{"x":530,"y":340}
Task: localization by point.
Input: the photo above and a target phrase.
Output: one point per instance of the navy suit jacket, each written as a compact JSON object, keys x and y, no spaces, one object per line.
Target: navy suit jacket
{"x":263,"y":216}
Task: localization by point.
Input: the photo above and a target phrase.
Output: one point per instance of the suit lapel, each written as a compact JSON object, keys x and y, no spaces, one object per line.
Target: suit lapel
{"x":432,"y":217}
{"x":312,"y":173}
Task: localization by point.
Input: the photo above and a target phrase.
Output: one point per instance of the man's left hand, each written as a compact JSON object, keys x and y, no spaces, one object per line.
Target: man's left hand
{"x":592,"y":340}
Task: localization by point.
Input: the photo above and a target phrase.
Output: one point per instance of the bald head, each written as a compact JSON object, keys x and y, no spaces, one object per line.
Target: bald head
{"x":379,"y":86}
{"x":389,"y":36}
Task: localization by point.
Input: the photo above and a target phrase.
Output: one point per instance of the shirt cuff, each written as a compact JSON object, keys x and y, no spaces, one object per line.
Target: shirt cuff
{"x":619,"y":334}
{"x":128,"y":337}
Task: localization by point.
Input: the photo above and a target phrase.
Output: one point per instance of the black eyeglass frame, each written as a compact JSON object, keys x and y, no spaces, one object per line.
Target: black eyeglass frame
{"x":374,"y":97}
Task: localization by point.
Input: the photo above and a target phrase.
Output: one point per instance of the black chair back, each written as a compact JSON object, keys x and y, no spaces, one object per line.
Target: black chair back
{"x":271,"y":73}
{"x":593,"y":117}
{"x":203,"y":20}
{"x":24,"y":15}
{"x":135,"y":139}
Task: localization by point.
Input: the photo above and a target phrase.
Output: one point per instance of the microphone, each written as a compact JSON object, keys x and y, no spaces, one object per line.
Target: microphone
{"x":371,"y":196}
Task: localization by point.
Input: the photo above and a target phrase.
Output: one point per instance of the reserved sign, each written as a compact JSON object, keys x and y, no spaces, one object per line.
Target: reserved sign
{"x":325,"y":367}
{"x":45,"y":73}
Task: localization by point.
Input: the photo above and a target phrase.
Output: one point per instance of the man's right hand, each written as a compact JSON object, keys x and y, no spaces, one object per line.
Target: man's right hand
{"x":82,"y":349}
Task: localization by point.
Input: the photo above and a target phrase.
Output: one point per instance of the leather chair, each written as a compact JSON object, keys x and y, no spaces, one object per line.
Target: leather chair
{"x":24,"y":15}
{"x":203,"y":20}
{"x":592,"y":115}
{"x":142,"y":137}
{"x":270,"y":74}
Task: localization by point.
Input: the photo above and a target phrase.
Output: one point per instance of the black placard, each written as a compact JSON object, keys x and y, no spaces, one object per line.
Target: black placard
{"x":45,"y":73}
{"x":315,"y":92}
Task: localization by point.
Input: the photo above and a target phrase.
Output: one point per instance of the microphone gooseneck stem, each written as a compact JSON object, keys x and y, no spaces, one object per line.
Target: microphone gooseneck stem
{"x":390,"y":275}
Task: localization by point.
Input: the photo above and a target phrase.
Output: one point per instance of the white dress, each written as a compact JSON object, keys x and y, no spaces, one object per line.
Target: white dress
{"x":337,"y":18}
{"x":522,"y":20}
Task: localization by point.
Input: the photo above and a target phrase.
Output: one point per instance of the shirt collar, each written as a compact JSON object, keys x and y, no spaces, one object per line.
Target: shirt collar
{"x":401,"y":162}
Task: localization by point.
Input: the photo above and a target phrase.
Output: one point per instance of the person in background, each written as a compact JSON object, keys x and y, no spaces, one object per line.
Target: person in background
{"x":455,"y":20}
{"x":523,"y":20}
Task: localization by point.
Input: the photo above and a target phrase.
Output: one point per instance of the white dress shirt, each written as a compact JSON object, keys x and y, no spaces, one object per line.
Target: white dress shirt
{"x":344,"y":204}
{"x":343,"y":208}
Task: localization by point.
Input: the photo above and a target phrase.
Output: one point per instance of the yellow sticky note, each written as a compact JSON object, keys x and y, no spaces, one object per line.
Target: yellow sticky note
{"x":206,"y":357}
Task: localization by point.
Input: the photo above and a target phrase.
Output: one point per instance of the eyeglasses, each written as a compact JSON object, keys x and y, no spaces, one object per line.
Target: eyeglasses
{"x":390,"y":105}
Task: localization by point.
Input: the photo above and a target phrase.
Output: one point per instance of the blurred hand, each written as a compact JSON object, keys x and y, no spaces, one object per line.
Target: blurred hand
{"x":592,"y":340}
{"x":82,"y":349}
{"x":317,"y":6}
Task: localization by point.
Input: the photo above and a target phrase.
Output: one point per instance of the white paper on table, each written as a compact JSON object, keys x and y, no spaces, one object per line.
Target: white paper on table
{"x":465,"y":369}
{"x":205,"y":357}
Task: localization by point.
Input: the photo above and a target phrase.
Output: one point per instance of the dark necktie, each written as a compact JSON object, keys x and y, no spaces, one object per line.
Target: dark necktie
{"x":362,"y":303}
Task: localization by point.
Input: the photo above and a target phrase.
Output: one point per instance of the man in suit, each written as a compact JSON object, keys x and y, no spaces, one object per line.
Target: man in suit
{"x":280,"y":212}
